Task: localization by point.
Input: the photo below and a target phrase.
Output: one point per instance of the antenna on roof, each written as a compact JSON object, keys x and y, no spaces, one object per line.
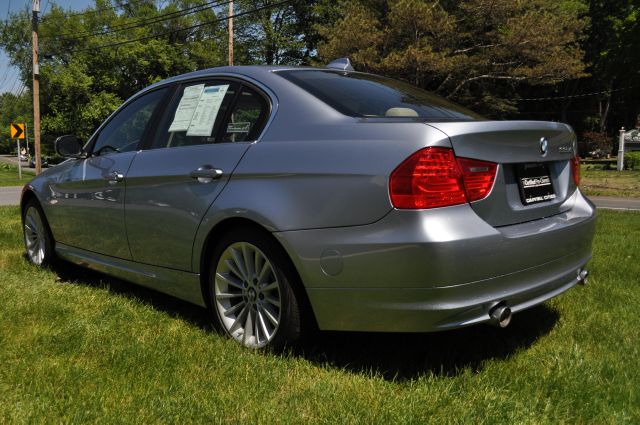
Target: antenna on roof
{"x":343,"y":64}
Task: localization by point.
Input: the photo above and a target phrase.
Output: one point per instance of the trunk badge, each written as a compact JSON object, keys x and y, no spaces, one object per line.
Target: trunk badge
{"x":544,"y":145}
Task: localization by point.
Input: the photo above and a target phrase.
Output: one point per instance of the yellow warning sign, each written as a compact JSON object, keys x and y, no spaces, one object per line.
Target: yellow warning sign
{"x":17,"y":130}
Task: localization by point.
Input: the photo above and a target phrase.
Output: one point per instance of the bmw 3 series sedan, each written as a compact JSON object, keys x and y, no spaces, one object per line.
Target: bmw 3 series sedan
{"x":286,"y":199}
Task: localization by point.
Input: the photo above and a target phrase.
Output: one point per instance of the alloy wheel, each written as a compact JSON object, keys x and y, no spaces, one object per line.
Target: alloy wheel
{"x":247,"y":295}
{"x":34,"y":236}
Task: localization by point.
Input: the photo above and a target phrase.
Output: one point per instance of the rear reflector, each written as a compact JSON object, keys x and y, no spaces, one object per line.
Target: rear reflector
{"x":434,"y":177}
{"x":575,"y":169}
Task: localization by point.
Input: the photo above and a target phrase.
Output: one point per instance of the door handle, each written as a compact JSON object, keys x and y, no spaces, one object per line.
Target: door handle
{"x":206,"y":174}
{"x":114,"y":177}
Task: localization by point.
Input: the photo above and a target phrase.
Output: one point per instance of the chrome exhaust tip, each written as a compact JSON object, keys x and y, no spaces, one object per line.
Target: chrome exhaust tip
{"x":500,"y":316}
{"x":583,"y":274}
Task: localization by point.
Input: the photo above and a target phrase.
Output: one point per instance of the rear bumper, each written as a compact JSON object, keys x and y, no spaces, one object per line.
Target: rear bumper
{"x":438,"y":269}
{"x":433,"y":309}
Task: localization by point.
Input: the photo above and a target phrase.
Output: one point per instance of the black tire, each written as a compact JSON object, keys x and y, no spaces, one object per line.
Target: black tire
{"x":38,"y":240}
{"x":290,"y":324}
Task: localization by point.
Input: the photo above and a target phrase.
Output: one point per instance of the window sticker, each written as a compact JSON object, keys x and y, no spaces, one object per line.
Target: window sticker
{"x":238,"y":127}
{"x":205,"y":114}
{"x":186,"y":108}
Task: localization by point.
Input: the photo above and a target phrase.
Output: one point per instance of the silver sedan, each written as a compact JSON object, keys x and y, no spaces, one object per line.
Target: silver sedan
{"x":287,"y":199}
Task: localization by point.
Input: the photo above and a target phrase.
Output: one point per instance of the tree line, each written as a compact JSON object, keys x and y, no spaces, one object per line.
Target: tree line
{"x":574,"y":61}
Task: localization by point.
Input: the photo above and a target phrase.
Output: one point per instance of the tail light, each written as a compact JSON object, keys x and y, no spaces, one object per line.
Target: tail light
{"x":433,"y":177}
{"x":575,"y":169}
{"x":478,"y":177}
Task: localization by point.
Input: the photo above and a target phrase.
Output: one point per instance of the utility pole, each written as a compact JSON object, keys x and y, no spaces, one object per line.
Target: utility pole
{"x":36,"y":84}
{"x":231,"y":33}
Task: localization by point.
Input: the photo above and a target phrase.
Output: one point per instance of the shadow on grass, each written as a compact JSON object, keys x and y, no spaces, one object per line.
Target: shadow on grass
{"x":198,"y":316}
{"x":396,"y":356}
{"x":399,"y":357}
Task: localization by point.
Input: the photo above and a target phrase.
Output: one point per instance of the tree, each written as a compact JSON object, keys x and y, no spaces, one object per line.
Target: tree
{"x":613,"y":52}
{"x":14,"y":108}
{"x":274,"y":34}
{"x":91,"y":62}
{"x":478,"y":52}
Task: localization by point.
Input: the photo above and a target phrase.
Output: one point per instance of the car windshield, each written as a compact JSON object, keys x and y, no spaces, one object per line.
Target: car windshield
{"x":366,"y":95}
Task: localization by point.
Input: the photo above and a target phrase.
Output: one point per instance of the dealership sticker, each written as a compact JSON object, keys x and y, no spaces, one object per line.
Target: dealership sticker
{"x":186,"y":108}
{"x":205,"y":114}
{"x":238,"y":127}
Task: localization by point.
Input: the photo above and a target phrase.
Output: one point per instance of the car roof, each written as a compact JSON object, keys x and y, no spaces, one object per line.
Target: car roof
{"x":257,"y":72}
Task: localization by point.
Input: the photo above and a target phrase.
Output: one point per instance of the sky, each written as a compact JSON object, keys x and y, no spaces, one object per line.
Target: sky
{"x":8,"y":74}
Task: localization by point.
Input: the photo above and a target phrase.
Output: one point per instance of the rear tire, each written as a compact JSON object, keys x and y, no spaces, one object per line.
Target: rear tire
{"x":38,"y":240}
{"x":251,"y":293}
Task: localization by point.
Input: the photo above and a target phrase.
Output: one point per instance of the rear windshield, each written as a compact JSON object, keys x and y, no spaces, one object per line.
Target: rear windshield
{"x":366,"y":95}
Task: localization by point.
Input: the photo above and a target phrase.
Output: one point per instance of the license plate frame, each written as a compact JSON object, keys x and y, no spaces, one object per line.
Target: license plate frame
{"x":535,"y":183}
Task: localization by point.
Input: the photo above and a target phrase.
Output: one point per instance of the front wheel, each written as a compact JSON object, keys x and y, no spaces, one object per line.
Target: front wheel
{"x":37,"y":237}
{"x":251,"y":293}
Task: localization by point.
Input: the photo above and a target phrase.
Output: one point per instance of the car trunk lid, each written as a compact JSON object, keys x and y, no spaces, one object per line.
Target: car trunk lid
{"x":534,"y":166}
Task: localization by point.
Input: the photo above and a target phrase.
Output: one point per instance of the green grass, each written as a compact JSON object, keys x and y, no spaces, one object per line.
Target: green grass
{"x":9,"y":175}
{"x":600,"y":182}
{"x":85,"y":348}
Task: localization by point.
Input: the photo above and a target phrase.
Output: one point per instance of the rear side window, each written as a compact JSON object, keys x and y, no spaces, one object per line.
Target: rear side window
{"x":366,"y":95}
{"x":247,"y":117}
{"x":216,"y":111}
{"x":196,"y":114}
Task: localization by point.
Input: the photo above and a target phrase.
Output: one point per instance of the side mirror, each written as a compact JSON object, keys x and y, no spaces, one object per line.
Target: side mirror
{"x":69,"y":146}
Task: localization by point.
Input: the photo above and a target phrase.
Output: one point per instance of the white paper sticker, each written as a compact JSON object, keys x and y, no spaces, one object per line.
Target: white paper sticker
{"x":186,"y":108}
{"x":205,"y":114}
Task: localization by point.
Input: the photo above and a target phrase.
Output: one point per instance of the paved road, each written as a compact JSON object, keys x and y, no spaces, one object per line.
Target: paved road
{"x":613,"y":203}
{"x":10,"y":195}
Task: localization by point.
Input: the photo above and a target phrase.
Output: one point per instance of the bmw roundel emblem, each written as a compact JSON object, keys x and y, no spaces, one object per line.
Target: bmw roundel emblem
{"x":544,"y":145}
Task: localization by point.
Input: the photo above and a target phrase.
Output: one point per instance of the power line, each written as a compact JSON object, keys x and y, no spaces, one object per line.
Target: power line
{"x":103,"y":9}
{"x":16,"y":97}
{"x":15,"y":80}
{"x":532,"y":99}
{"x":142,"y":22}
{"x":119,"y":43}
{"x":5,"y":74}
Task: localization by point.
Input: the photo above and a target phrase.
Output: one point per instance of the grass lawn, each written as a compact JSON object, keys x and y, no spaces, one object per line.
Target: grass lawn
{"x":85,"y":348}
{"x":599,"y":182}
{"x":9,"y":176}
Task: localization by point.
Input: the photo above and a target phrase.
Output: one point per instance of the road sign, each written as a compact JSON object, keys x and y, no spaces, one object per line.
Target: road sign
{"x":17,"y":130}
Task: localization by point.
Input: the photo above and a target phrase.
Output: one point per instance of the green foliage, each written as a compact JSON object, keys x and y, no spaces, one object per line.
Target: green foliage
{"x":15,"y":109}
{"x":475,"y":51}
{"x":611,"y":50}
{"x":632,"y":161}
{"x":270,"y":36}
{"x":80,"y":85}
{"x":594,"y":141}
{"x":484,"y":54}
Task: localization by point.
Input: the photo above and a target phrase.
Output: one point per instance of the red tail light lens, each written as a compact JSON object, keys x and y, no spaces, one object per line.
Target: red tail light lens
{"x":478,"y":177}
{"x":433,"y":177}
{"x":575,"y":169}
{"x":429,"y":178}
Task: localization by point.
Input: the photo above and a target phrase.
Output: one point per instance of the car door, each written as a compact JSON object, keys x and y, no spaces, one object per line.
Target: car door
{"x":200,"y":139}
{"x":90,"y":193}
